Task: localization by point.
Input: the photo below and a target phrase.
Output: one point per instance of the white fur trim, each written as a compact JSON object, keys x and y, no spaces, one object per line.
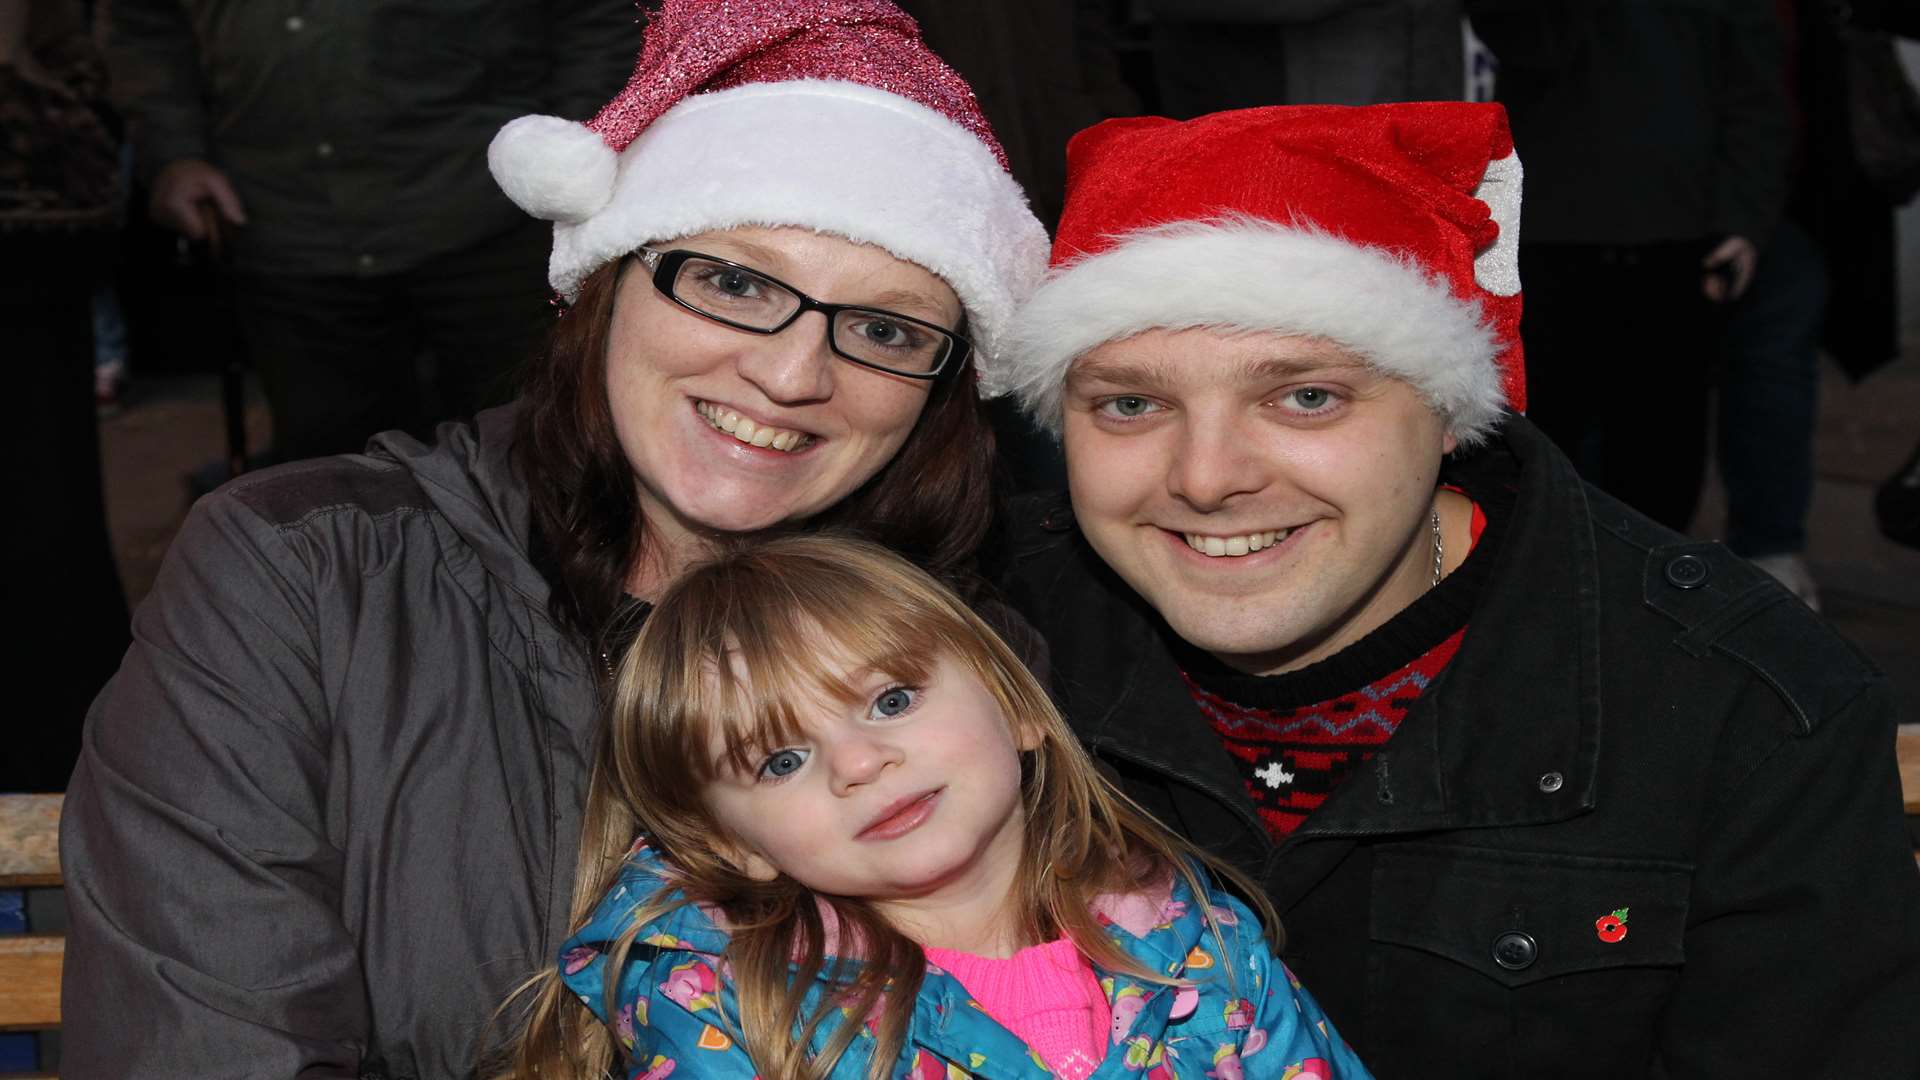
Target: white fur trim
{"x":834,"y":157}
{"x":1249,"y":274}
{"x":554,"y":169}
{"x":1497,"y":269}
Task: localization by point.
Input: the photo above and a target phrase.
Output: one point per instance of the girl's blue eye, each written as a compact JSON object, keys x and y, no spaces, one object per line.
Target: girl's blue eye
{"x":894,"y":700}
{"x":783,"y":763}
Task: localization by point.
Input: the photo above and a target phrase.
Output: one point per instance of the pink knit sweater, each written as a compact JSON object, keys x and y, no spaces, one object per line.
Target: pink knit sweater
{"x":1047,"y":994}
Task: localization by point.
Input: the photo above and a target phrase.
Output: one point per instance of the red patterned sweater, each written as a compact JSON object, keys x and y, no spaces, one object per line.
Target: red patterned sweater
{"x":1298,"y":736}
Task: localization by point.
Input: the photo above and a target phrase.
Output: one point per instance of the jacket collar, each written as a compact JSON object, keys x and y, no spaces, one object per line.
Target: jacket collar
{"x":1508,"y":735}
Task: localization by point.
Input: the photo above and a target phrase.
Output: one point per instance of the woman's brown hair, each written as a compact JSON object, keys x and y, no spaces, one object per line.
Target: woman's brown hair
{"x":932,"y":503}
{"x":784,"y":616}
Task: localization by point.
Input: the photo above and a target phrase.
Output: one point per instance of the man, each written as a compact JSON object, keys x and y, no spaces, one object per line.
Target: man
{"x":1538,"y":787}
{"x":335,"y":155}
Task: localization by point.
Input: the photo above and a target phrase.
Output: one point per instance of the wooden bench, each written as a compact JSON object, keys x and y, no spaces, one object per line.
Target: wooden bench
{"x":30,"y":963}
{"x":1908,"y":749}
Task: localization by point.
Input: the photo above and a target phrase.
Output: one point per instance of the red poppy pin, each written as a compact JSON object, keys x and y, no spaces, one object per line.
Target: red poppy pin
{"x":1611,"y":927}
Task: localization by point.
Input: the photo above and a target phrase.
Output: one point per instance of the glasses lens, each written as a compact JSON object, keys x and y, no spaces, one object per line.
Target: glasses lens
{"x":890,"y":341}
{"x":733,"y":294}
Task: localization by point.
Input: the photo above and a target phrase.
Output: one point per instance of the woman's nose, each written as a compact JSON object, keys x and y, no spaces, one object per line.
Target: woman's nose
{"x":794,"y":366}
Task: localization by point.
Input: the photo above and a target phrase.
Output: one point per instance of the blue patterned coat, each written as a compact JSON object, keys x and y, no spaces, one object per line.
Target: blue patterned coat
{"x":1242,"y":1018}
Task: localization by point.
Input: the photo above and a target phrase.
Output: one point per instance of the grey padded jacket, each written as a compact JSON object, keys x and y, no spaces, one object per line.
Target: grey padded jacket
{"x":325,"y":815}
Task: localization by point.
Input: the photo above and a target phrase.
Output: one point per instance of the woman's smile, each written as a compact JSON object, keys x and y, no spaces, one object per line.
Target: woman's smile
{"x":745,"y":430}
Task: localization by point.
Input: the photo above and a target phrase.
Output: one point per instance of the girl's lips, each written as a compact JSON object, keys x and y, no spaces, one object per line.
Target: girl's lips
{"x":902,"y":817}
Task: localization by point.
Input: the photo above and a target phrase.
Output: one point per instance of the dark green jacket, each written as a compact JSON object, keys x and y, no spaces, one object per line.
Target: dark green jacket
{"x":1632,"y":721}
{"x":356,"y":131}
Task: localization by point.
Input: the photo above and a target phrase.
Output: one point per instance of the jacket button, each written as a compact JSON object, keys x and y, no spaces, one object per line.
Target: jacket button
{"x":1688,"y":572}
{"x":1551,"y":782}
{"x":1515,"y":950}
{"x":1058,"y":520}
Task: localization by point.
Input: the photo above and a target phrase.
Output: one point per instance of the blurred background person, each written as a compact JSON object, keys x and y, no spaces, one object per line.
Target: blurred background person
{"x":1042,"y":70}
{"x":1211,"y":55}
{"x":334,"y":155}
{"x":1826,"y":280}
{"x":59,"y":208}
{"x":1655,"y":136}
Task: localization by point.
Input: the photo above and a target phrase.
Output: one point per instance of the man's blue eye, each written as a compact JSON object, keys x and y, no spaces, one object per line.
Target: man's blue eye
{"x":1130,"y":406}
{"x":783,"y":763}
{"x":1311,"y":398}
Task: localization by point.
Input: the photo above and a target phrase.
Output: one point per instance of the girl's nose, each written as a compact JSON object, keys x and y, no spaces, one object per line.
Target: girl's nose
{"x":860,"y":759}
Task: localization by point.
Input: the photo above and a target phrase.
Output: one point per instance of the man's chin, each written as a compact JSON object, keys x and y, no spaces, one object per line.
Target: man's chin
{"x":1249,"y":645}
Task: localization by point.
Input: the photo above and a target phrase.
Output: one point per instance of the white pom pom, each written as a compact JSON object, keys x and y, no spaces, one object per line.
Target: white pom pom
{"x":554,"y":169}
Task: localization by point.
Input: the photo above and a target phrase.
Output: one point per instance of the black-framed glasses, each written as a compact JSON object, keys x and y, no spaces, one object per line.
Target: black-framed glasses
{"x":747,"y":299}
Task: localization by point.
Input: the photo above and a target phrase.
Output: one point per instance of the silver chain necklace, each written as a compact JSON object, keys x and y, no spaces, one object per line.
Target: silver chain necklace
{"x":1438,"y":551}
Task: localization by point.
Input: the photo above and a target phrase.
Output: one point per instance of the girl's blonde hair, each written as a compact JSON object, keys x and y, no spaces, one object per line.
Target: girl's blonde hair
{"x":782,"y":618}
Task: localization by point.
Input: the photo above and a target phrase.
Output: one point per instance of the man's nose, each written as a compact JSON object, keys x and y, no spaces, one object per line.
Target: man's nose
{"x":1213,"y":460}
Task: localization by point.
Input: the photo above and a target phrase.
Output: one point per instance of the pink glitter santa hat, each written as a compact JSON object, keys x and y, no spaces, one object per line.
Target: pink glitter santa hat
{"x":829,"y":115}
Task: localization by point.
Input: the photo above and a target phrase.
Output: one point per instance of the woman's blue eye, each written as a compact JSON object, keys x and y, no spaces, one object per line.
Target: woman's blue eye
{"x":732,"y":284}
{"x":735,"y":282}
{"x":783,"y":763}
{"x":893,"y":701}
{"x":889,"y":334}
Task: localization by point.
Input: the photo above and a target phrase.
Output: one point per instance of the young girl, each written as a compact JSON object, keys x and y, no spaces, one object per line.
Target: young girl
{"x":872,"y":847}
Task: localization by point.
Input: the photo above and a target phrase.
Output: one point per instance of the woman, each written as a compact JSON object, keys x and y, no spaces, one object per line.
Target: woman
{"x":325,"y":815}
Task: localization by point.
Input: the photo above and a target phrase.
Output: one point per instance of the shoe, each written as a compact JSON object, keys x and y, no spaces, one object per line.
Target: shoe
{"x":1791,"y":570}
{"x":1897,"y":504}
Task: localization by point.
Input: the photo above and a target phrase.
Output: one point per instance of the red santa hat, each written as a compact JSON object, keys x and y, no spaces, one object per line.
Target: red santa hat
{"x":1391,"y":230}
{"x":830,"y":115}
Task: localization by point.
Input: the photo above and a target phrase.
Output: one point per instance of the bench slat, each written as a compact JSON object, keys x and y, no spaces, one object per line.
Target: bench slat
{"x":1908,"y":749}
{"x":29,"y":841}
{"x":30,"y":981}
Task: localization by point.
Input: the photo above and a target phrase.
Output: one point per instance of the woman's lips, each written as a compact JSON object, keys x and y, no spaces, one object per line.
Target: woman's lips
{"x":902,"y":817}
{"x":747,"y":432}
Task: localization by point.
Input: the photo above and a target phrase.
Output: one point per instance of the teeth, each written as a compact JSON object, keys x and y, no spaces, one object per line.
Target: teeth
{"x":1234,"y":546}
{"x":749,"y":432}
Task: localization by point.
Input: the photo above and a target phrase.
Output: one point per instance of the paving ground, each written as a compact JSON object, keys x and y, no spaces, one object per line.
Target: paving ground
{"x":1870,"y":585}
